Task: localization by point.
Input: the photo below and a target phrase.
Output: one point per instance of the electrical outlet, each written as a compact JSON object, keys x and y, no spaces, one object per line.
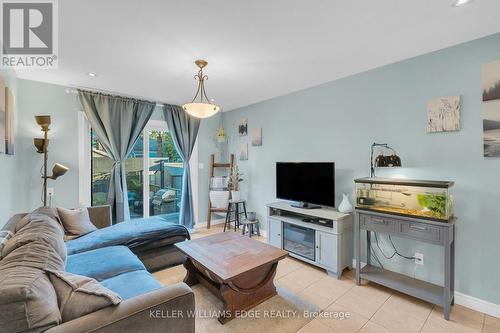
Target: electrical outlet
{"x":419,"y":258}
{"x":201,"y":166}
{"x":50,"y":191}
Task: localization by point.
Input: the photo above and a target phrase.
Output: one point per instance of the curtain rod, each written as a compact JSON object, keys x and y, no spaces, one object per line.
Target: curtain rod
{"x":74,"y":91}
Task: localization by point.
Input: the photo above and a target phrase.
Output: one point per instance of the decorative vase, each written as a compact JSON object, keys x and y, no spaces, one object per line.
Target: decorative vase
{"x":345,"y":206}
{"x":235,"y":195}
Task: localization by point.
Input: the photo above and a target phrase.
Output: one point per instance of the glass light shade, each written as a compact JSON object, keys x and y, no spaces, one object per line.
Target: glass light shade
{"x":201,"y":110}
{"x":58,"y":170}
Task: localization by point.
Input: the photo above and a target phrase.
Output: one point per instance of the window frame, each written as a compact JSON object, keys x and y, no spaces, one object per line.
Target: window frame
{"x":85,"y":164}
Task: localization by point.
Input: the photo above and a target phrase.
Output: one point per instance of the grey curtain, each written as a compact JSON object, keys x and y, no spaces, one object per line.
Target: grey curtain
{"x":118,"y":123}
{"x":184,"y":129}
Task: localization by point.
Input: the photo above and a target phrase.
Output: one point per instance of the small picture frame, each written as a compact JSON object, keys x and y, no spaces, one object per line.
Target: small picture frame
{"x":243,"y":127}
{"x":257,"y":137}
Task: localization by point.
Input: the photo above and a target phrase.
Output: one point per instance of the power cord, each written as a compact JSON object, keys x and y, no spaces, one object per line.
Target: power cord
{"x":399,"y":254}
{"x":396,"y":252}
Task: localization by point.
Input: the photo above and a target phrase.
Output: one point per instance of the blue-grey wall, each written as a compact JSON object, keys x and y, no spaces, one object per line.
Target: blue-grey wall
{"x":37,"y":98}
{"x":339,"y":120}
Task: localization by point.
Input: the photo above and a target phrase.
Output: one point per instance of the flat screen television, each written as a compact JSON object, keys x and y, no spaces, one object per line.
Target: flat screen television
{"x":306,"y":183}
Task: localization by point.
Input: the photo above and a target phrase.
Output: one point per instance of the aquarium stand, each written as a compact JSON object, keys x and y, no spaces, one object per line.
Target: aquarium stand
{"x":438,"y":233}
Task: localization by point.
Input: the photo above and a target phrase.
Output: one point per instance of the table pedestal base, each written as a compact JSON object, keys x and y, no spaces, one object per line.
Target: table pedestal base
{"x":238,"y":294}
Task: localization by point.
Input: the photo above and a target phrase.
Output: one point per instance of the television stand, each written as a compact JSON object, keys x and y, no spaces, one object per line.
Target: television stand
{"x":321,"y":237}
{"x":305,"y":205}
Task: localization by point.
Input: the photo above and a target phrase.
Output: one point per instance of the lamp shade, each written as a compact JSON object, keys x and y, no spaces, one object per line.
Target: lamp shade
{"x":58,"y":170}
{"x":43,"y":121}
{"x":201,"y":110}
{"x":40,"y":144}
{"x":387,"y":161}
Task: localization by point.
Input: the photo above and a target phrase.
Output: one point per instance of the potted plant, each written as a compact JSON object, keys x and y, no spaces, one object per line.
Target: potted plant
{"x":236,"y":177}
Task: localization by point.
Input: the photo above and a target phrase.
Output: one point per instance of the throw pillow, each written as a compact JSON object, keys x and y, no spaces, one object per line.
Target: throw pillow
{"x":79,"y":295}
{"x":76,"y":221}
{"x":4,"y":237}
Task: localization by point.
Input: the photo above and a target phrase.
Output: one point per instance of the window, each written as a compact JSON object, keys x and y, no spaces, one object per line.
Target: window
{"x":154,"y":192}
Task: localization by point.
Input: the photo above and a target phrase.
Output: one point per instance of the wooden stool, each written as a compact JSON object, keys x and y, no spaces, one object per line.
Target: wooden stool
{"x":251,"y":225}
{"x":234,"y":207}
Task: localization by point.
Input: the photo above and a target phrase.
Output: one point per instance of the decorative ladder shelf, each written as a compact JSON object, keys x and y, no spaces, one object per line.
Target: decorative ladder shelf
{"x":213,"y":166}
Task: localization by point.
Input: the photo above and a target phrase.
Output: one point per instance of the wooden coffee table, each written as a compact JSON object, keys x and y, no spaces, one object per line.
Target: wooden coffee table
{"x":237,"y":269}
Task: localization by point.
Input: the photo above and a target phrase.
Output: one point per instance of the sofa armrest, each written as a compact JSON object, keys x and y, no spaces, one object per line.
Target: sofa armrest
{"x":100,"y":216}
{"x":169,"y":309}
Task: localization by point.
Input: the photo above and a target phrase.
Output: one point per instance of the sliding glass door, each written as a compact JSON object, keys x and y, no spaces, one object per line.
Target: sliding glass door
{"x":165,"y":170}
{"x":154,"y":183}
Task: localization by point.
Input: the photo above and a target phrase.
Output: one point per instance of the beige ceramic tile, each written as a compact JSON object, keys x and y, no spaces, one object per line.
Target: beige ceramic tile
{"x":287,"y":266}
{"x":365,"y":300}
{"x":339,"y":319}
{"x":462,"y":320}
{"x":315,"y":326}
{"x":318,"y":301}
{"x":325,"y":291}
{"x":309,"y":274}
{"x":349,"y":274}
{"x":291,"y":284}
{"x":371,"y":327}
{"x":171,"y":275}
{"x":491,"y":324}
{"x":403,"y":313}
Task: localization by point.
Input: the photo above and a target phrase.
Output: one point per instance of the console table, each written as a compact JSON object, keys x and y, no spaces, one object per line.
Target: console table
{"x":321,"y":237}
{"x":439,"y":233}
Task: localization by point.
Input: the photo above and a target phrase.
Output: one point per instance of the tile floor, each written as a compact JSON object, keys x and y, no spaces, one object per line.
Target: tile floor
{"x":371,"y":308}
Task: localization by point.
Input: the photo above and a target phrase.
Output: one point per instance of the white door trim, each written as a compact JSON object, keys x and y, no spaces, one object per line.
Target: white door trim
{"x":84,"y":161}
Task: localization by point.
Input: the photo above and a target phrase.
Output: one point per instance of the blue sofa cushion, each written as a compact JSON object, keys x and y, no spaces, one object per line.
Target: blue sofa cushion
{"x":104,"y":263}
{"x":132,"y":284}
{"x":132,"y":233}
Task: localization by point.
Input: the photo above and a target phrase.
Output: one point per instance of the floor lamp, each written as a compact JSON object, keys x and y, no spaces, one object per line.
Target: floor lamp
{"x":41,"y":145}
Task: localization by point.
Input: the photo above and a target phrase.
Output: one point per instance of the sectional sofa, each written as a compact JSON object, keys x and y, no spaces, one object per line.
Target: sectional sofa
{"x":119,"y":256}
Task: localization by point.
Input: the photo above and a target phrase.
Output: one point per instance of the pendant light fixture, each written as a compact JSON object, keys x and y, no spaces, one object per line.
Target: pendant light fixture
{"x":201,"y":108}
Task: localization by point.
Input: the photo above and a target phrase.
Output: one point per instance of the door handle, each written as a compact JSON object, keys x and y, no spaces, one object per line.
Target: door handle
{"x":419,"y":227}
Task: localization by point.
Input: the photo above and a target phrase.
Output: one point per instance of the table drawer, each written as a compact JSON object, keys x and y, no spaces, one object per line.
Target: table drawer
{"x":378,"y":224}
{"x":421,"y":231}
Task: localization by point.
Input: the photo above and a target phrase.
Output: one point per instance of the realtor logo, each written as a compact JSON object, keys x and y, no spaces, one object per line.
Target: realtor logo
{"x":29,"y":34}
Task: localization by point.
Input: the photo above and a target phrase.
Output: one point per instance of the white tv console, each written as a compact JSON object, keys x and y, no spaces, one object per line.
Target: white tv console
{"x":325,"y":242}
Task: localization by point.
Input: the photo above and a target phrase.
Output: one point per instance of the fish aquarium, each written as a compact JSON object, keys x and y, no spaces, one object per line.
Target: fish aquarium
{"x":428,"y":199}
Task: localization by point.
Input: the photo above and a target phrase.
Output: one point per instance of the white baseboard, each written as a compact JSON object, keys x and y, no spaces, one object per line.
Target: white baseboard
{"x":204,"y":223}
{"x":468,"y":301}
{"x":477,"y":304}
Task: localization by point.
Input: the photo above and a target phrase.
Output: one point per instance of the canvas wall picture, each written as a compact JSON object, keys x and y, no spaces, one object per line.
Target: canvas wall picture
{"x":257,"y":137}
{"x":443,"y":114}
{"x":243,"y":153}
{"x":9,"y":121}
{"x":491,"y":109}
{"x":243,"y":127}
{"x":3,"y":117}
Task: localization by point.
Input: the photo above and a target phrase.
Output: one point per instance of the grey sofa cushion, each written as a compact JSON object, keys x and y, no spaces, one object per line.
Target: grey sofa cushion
{"x":5,"y":235}
{"x":104,"y":263}
{"x":28,"y":301}
{"x":133,"y":233}
{"x":76,"y":222}
{"x":132,"y":284}
{"x":79,"y":295}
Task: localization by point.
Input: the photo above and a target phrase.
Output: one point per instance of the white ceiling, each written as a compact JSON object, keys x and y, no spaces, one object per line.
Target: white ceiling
{"x":256,"y":49}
